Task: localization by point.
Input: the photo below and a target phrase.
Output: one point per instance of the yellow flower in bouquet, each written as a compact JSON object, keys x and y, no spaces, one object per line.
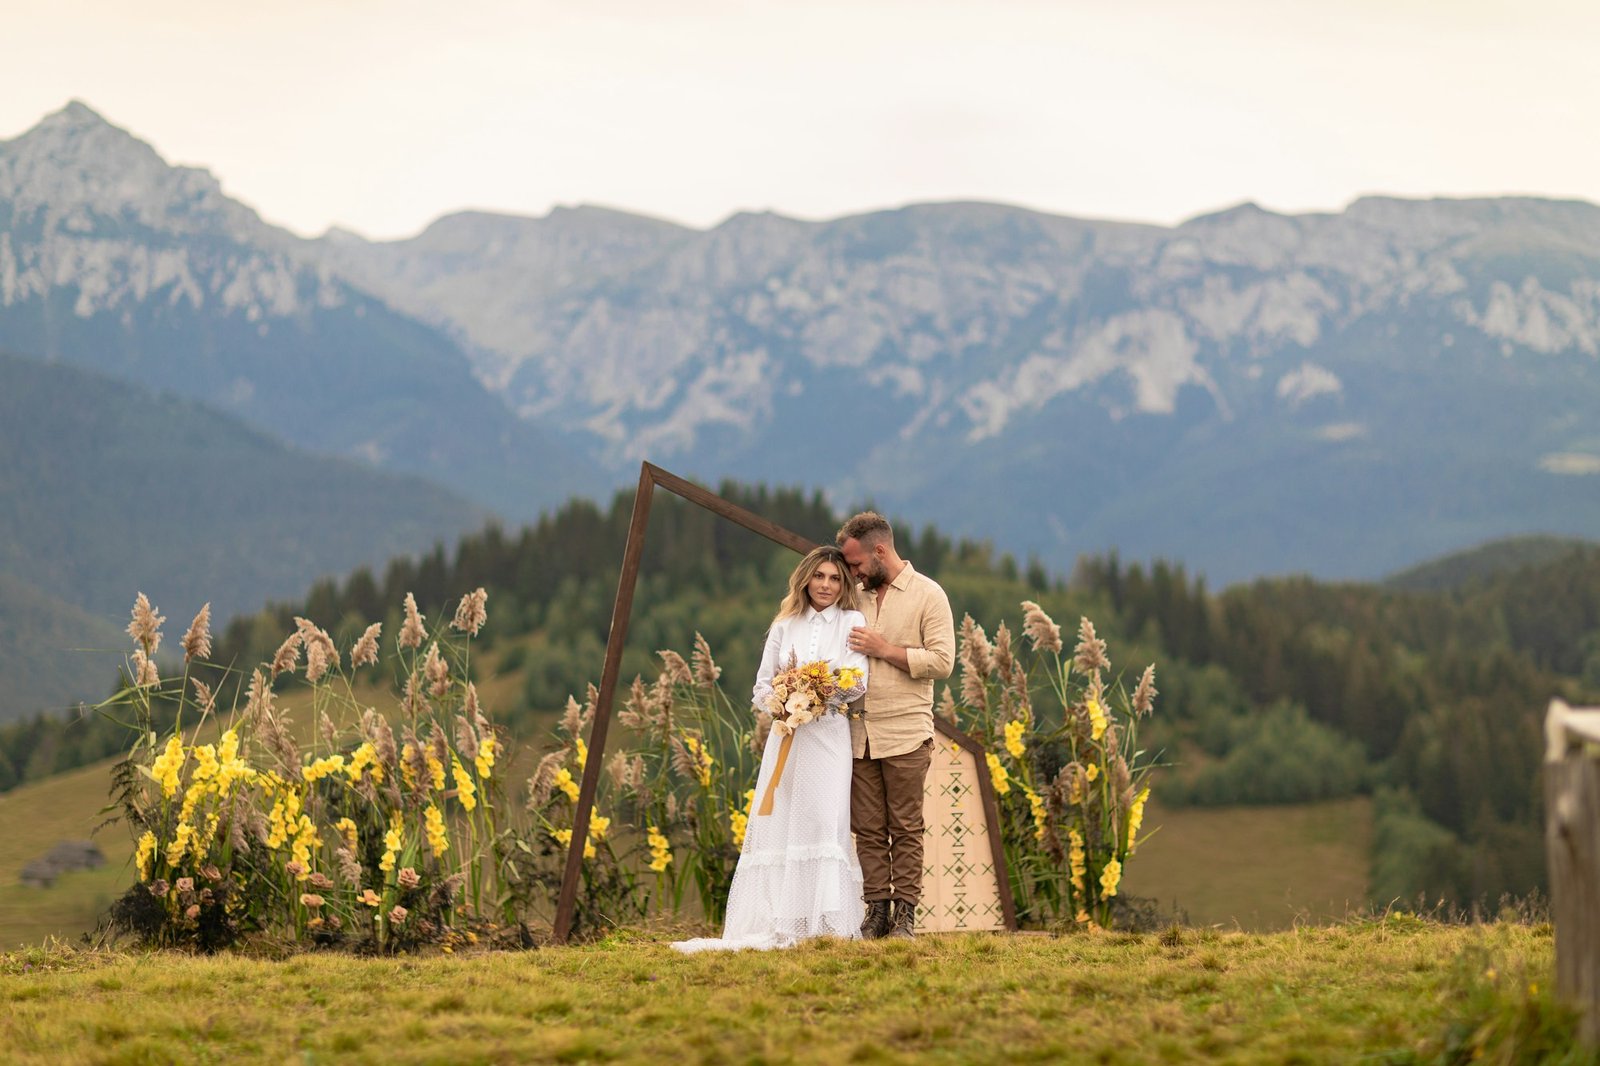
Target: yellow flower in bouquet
{"x":804,"y":692}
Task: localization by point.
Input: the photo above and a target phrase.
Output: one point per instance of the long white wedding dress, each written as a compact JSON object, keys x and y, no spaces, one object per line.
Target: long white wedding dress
{"x":798,"y":876}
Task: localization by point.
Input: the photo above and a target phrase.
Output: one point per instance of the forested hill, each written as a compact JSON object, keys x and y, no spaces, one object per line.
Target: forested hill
{"x":108,"y":488}
{"x":1279,"y":691}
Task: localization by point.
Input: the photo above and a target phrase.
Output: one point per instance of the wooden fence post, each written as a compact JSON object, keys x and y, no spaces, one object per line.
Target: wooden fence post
{"x":1572,"y":844}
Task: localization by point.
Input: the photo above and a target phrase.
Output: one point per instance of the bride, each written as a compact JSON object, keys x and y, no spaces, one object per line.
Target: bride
{"x":797,"y":875}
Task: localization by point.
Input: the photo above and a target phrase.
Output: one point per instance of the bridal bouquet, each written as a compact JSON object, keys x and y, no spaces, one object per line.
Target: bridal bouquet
{"x":803,"y":693}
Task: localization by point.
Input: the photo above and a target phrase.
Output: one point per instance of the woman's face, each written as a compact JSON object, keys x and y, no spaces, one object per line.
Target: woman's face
{"x":825,"y":585}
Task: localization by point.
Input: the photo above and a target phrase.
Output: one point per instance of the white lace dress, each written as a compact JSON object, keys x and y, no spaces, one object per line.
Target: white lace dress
{"x":797,"y":875}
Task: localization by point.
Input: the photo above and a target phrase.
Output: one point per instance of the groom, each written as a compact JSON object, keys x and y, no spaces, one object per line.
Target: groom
{"x":911,"y":636}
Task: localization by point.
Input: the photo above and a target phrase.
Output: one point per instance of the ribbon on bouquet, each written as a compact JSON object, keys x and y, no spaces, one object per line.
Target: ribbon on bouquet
{"x":777,"y":774}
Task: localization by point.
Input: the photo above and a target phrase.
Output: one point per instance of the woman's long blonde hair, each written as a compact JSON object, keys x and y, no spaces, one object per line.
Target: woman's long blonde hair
{"x":797,"y":600}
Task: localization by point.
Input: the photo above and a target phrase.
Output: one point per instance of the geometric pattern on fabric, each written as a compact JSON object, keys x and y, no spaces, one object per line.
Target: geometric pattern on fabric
{"x":960,"y":891}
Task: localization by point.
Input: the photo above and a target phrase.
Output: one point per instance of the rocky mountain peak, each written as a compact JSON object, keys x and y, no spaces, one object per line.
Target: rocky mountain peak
{"x":81,"y":173}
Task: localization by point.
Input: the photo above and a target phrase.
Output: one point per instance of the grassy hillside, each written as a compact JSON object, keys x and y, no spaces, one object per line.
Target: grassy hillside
{"x":33,"y":819}
{"x":1257,"y":868}
{"x":1395,"y":991}
{"x":52,"y":654}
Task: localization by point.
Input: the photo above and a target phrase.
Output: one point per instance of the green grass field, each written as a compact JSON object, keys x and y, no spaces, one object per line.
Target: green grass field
{"x":1391,"y":990}
{"x":1257,"y":868}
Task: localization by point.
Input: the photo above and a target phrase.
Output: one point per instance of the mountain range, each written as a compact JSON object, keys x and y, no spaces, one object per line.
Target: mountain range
{"x":1249,"y":392}
{"x":113,"y":260}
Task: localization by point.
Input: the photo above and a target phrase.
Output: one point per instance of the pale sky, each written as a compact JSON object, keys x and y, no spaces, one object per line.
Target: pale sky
{"x":382,"y":115}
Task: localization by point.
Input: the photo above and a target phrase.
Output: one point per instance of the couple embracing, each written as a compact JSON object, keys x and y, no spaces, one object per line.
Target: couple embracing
{"x":840,"y":853}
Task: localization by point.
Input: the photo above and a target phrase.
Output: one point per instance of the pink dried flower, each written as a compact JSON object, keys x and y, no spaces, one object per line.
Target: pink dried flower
{"x":471,"y":615}
{"x":544,"y":779}
{"x":259,"y":702}
{"x":412,"y":634}
{"x":144,"y":670}
{"x":706,"y":671}
{"x":197,"y":642}
{"x":437,"y":671}
{"x":146,"y":625}
{"x":1090,"y":654}
{"x":1041,"y":630}
{"x":466,"y":738}
{"x":287,"y":657}
{"x":316,"y":662}
{"x":1144,"y":697}
{"x":365,"y":651}
{"x":192,"y":911}
{"x":1003,"y":657}
{"x":674,"y":669}
{"x":572,"y":715}
{"x":184,"y":884}
{"x":408,"y":878}
{"x":398,"y":914}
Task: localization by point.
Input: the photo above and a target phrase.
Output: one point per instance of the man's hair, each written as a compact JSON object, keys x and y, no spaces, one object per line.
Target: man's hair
{"x":868,"y":527}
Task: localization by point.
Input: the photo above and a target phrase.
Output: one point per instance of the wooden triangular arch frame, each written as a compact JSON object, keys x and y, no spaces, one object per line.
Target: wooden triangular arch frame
{"x":651,"y":477}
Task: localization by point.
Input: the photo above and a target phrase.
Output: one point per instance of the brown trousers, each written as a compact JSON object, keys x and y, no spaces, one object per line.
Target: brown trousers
{"x":886,"y":818}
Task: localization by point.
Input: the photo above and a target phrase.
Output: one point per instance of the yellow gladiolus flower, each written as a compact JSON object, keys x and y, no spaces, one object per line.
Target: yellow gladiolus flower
{"x":393,"y":841}
{"x":1110,"y":877}
{"x":438,"y":841}
{"x":565,"y":783}
{"x":1014,"y":731}
{"x":660,"y":849}
{"x":144,"y":858}
{"x":702,"y":760}
{"x":167,"y":766}
{"x":180,"y":843}
{"x":1077,"y":860}
{"x":1038,"y":810}
{"x":1136,"y":817}
{"x":1097,"y":719}
{"x":466,"y":791}
{"x":997,"y":774}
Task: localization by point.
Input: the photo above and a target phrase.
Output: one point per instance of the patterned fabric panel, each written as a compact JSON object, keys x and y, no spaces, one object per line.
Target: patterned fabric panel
{"x":960,"y":891}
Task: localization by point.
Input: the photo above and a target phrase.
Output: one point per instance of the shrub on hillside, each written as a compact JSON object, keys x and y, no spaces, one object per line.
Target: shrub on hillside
{"x":1279,"y":756}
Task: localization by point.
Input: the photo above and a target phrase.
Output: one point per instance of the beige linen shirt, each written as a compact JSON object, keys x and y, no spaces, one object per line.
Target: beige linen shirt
{"x":915,"y":614}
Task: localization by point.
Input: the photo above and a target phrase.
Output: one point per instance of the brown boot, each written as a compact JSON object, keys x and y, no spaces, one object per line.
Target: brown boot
{"x":876,"y":923}
{"x":903,"y":925}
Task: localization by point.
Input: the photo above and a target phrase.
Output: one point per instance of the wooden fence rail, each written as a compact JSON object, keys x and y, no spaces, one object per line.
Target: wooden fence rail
{"x":1572,"y":844}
